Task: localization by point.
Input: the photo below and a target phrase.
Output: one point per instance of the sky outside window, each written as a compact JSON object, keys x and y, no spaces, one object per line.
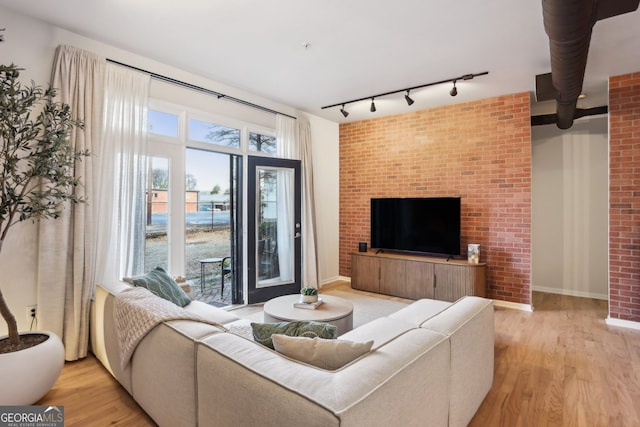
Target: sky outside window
{"x":162,"y":123}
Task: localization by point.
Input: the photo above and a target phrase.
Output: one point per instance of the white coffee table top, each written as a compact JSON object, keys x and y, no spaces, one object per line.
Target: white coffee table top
{"x":332,"y":308}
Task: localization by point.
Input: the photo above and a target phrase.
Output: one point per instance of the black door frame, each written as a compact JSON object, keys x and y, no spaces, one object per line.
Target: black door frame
{"x":254,"y":294}
{"x":235,"y":224}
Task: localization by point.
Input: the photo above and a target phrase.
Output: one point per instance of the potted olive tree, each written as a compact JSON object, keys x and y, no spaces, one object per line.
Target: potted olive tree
{"x":36,"y":179}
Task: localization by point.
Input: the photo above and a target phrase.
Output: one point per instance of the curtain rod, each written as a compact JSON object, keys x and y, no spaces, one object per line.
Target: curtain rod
{"x":201,"y":89}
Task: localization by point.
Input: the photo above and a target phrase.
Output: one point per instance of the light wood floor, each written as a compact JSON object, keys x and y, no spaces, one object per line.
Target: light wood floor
{"x":563,"y":366}
{"x":558,"y":366}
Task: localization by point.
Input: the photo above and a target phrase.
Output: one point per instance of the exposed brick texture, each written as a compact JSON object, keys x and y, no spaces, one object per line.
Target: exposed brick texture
{"x":480,"y":151}
{"x":624,"y":197}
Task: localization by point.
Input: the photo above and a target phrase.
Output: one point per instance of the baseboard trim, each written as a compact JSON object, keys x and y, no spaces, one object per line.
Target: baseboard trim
{"x":630,"y":324}
{"x":571,"y":293}
{"x":513,"y":305}
{"x":335,"y":279}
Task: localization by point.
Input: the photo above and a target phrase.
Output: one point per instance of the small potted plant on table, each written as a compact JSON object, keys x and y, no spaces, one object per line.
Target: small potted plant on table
{"x":309,"y":294}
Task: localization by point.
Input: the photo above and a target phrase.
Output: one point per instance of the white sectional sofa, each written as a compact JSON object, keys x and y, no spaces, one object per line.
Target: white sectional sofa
{"x":431,"y":364}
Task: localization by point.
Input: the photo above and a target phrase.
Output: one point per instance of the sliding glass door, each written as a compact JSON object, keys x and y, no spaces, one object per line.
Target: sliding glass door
{"x":193,"y":222}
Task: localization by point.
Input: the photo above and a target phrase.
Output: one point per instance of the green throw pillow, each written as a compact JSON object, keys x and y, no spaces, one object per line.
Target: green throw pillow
{"x":161,"y":284}
{"x":262,"y":331}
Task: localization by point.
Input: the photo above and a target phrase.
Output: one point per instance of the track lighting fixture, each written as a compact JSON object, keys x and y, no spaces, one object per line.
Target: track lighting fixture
{"x":408,"y":99}
{"x":452,"y":92}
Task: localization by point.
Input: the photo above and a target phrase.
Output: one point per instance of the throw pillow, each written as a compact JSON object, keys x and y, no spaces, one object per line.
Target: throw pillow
{"x":322,"y":353}
{"x":262,"y":331}
{"x":161,"y":284}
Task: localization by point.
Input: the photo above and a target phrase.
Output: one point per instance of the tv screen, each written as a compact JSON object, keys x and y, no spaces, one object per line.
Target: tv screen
{"x":428,"y":225}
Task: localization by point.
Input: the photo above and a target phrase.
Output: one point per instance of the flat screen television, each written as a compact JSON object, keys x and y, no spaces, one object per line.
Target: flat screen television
{"x":426,"y":225}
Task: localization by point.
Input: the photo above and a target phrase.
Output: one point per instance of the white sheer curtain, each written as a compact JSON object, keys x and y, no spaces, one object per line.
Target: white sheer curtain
{"x":309,"y":235}
{"x":287,"y":148}
{"x":294,"y":142}
{"x":75,"y":250}
{"x":122,"y":181}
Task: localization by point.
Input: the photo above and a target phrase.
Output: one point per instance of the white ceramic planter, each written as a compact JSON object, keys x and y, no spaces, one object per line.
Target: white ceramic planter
{"x":29,"y":374}
{"x":309,"y":298}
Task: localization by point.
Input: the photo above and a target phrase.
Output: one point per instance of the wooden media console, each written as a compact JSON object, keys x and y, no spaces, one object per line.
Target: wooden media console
{"x":415,"y":276}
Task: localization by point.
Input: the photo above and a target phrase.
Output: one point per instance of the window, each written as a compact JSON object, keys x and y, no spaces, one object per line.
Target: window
{"x":262,"y":143}
{"x":214,"y":134}
{"x":156,"y":243}
{"x":161,"y":123}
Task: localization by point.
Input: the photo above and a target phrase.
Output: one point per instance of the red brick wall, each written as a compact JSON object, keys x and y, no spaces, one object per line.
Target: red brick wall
{"x":480,"y":151}
{"x":624,"y":197}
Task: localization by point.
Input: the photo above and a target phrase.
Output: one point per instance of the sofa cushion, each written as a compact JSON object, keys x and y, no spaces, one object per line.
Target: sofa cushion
{"x":262,"y":331}
{"x":419,"y":311}
{"x":161,"y":284}
{"x":381,"y":331}
{"x":469,"y":324}
{"x":322,"y":353}
{"x":372,"y":390}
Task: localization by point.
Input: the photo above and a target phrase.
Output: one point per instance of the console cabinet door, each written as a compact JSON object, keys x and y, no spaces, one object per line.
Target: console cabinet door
{"x":419,"y":280}
{"x":393,"y":277}
{"x":365,"y":273}
{"x":445,"y":287}
{"x":452,"y":282}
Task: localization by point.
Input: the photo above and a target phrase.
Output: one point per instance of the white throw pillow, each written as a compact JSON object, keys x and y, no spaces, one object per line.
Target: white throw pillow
{"x":323,"y":353}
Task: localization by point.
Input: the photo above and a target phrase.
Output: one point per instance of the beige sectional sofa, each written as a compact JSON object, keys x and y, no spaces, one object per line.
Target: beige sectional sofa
{"x":431,"y":365}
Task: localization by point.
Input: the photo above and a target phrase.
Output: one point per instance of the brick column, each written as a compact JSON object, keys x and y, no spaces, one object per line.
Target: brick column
{"x":624,"y":197}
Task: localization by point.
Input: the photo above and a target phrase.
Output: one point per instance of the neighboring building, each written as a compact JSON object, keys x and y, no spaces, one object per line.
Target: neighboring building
{"x":159,"y":201}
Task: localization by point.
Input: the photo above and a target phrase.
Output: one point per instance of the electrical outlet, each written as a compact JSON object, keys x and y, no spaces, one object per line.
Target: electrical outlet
{"x":31,"y":312}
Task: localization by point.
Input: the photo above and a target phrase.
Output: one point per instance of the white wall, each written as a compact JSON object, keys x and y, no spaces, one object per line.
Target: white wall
{"x":570,"y":208}
{"x":31,"y":44}
{"x":27,"y":44}
{"x":326,"y":163}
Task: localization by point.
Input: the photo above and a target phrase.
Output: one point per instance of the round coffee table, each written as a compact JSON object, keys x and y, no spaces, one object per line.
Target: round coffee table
{"x":334,"y":310}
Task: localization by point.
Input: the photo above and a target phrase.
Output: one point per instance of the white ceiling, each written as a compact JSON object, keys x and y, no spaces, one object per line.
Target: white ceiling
{"x":357,"y":48}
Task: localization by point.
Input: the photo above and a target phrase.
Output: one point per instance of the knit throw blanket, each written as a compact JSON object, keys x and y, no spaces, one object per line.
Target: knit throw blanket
{"x":137,"y":311}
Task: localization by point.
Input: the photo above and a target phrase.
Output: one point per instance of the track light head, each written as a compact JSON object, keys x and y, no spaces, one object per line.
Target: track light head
{"x":408,"y":99}
{"x":454,"y":91}
{"x":373,"y":106}
{"x":344,"y":112}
